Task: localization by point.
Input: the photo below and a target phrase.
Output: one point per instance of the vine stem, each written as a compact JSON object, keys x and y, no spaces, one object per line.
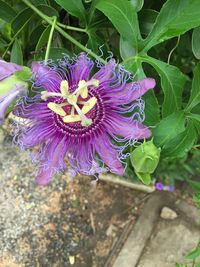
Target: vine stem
{"x":50,"y":39}
{"x":63,"y":33}
{"x":67,"y":27}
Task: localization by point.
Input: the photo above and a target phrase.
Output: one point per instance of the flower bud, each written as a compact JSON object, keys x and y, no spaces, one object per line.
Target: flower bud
{"x":145,"y":157}
{"x":12,"y":84}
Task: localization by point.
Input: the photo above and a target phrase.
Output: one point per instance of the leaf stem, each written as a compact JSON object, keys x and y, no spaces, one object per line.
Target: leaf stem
{"x":67,"y":27}
{"x":50,"y":39}
{"x":169,"y":56}
{"x":63,"y":33}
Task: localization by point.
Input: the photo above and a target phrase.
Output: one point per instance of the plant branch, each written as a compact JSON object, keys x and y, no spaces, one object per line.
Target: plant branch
{"x":117,"y":180}
{"x":63,"y":33}
{"x":50,"y":39}
{"x":67,"y":27}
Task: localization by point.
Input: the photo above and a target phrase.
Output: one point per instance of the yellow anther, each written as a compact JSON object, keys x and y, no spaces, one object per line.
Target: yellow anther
{"x":72,"y":118}
{"x":64,"y":88}
{"x":89,"y":105}
{"x":82,"y":86}
{"x":56,"y":109}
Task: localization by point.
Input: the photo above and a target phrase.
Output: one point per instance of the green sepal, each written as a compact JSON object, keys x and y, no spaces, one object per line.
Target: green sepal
{"x":144,"y":177}
{"x":145,"y":157}
{"x":24,"y":74}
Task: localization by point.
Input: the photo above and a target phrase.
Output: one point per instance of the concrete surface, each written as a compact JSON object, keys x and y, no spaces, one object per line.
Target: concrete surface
{"x":155,"y":242}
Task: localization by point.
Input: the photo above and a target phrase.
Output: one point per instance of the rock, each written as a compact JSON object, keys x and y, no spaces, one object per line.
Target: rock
{"x":168,"y":214}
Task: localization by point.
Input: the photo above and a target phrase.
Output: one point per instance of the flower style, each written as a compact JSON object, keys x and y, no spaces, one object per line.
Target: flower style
{"x":10,"y":86}
{"x":81,"y":119}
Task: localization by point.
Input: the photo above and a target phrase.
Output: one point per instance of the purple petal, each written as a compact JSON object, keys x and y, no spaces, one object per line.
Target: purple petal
{"x":46,"y":77}
{"x":106,"y":72}
{"x":109,"y":155}
{"x":5,"y":101}
{"x":53,"y":161}
{"x":131,"y":91}
{"x":81,"y":69}
{"x":129,"y":129}
{"x":7,"y":69}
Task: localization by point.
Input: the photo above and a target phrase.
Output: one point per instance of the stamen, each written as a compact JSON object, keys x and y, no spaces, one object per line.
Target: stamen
{"x":89,"y":105}
{"x":83,"y":89}
{"x":83,"y":84}
{"x":45,"y":95}
{"x":56,"y":109}
{"x":64,"y":88}
{"x":84,"y":120}
{"x":71,"y":118}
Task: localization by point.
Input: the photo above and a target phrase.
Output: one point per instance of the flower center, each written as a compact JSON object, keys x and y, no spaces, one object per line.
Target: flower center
{"x":72,"y":99}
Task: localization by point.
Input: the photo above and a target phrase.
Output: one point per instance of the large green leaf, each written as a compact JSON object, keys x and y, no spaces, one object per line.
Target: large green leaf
{"x":21,"y":19}
{"x":124,"y":17}
{"x":42,"y":41}
{"x":73,"y":7}
{"x":195,"y":42}
{"x":137,"y":4}
{"x":181,"y":144}
{"x":152,"y":109}
{"x":169,"y":128}
{"x":195,"y":93}
{"x":172,"y":81}
{"x":16,"y":53}
{"x":7,"y":13}
{"x":147,"y":19}
{"x":126,"y":49}
{"x":194,"y":116}
{"x":175,"y":18}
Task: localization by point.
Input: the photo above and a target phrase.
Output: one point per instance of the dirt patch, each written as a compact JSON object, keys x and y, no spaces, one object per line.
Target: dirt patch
{"x":67,"y":223}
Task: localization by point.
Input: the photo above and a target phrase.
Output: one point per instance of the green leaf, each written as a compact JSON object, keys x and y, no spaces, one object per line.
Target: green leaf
{"x":42,"y":40}
{"x":21,"y":19}
{"x":16,"y":53}
{"x":35,"y":34}
{"x":126,"y":48}
{"x":169,"y":128}
{"x":193,"y":254}
{"x":137,"y":4}
{"x":194,"y":184}
{"x":24,"y":74}
{"x":147,"y":19}
{"x":74,"y":7}
{"x":123,"y":16}
{"x":144,"y":177}
{"x":94,"y":41}
{"x":152,"y":109}
{"x":195,"y":93}
{"x":175,"y":18}
{"x":7,"y":13}
{"x":195,"y":42}
{"x":172,"y":81}
{"x":57,"y":52}
{"x":197,"y":264}
{"x":181,"y":144}
{"x":194,"y":116}
{"x":48,"y":10}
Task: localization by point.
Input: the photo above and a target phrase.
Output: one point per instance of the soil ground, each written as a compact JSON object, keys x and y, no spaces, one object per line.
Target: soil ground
{"x":68,"y":223}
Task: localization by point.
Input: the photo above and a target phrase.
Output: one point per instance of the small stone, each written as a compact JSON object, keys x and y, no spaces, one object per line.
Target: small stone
{"x":71,"y":260}
{"x":168,"y":214}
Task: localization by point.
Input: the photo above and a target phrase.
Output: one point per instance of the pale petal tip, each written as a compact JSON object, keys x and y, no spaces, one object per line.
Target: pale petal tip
{"x":149,"y":83}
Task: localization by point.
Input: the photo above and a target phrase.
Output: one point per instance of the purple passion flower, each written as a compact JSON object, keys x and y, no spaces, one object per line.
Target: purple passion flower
{"x":10,"y":86}
{"x":79,"y":119}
